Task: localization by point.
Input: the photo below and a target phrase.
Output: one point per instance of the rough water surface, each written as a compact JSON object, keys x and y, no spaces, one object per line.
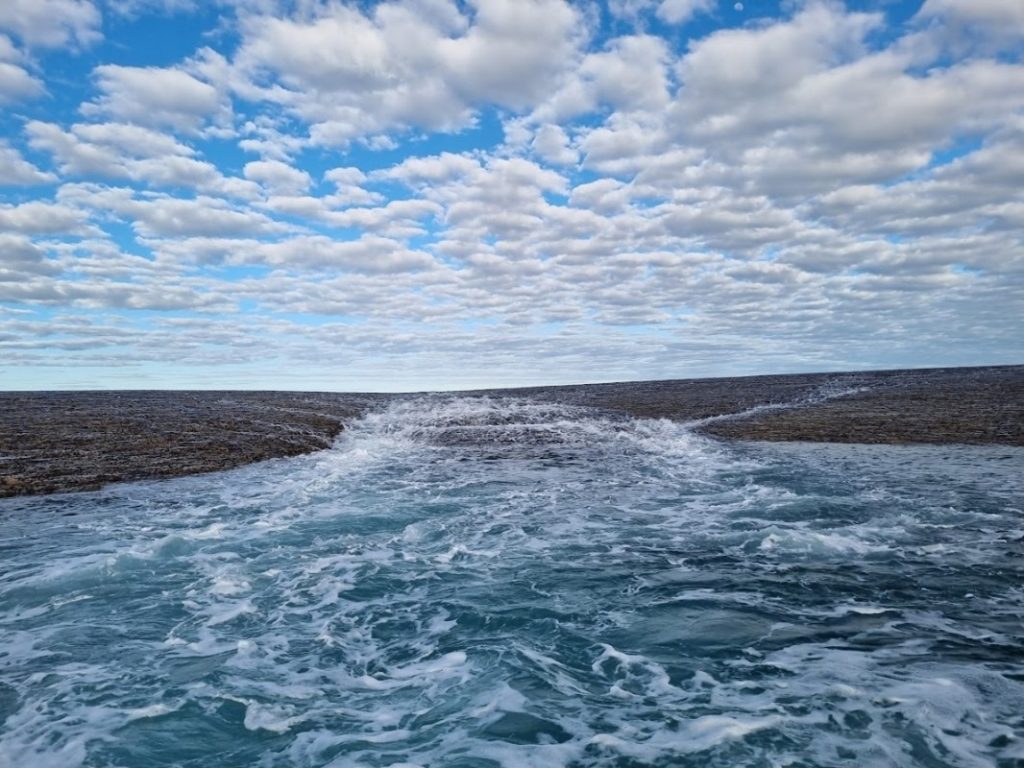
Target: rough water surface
{"x":497,"y":582}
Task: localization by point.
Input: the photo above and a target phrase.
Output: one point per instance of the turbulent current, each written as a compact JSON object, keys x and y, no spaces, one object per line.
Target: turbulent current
{"x":473,"y":583}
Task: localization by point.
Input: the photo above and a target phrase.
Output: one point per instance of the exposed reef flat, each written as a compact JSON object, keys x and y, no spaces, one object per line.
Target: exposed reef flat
{"x":71,"y":441}
{"x":979,"y":406}
{"x":66,"y":441}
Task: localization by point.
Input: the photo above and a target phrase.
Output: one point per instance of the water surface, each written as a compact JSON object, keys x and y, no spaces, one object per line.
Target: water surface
{"x":482,"y":583}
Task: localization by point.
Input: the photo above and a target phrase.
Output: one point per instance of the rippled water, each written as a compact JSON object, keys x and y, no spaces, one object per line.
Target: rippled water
{"x":502,"y":583}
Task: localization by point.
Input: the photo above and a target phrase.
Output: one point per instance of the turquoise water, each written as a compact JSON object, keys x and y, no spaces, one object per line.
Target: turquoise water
{"x":501,"y":583}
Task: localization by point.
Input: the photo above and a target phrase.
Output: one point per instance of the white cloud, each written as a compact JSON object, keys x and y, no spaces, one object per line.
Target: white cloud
{"x":42,"y":218}
{"x":269,"y":138}
{"x":406,"y":64}
{"x":21,"y":259}
{"x":369,"y":254}
{"x":514,"y":50}
{"x":623,"y":145}
{"x":51,"y":23}
{"x":166,"y":216}
{"x":552,"y":145}
{"x":132,"y":140}
{"x":996,"y":12}
{"x":157,"y":97}
{"x":16,"y":82}
{"x":723,"y":71}
{"x":123,"y":151}
{"x":16,"y":170}
{"x":278,"y":178}
{"x":350,"y":190}
{"x":629,"y":75}
{"x":603,"y":196}
{"x":681,"y":11}
{"x":431,"y":169}
{"x":136,"y":8}
{"x":984,"y":23}
{"x":175,"y":217}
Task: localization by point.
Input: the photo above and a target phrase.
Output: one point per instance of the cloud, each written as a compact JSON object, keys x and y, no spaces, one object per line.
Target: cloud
{"x":513,"y":50}
{"x":681,"y":11}
{"x":42,"y":218}
{"x":988,"y":24}
{"x":602,"y":196}
{"x":551,"y":144}
{"x":368,"y":254}
{"x":16,"y":83}
{"x":434,"y":168}
{"x":17,"y":171}
{"x":124,"y":151}
{"x":51,"y":23}
{"x":781,"y":106}
{"x":737,"y":73}
{"x":202,"y":216}
{"x":20,"y":259}
{"x":167,"y":216}
{"x":157,"y":97}
{"x":349,"y":184}
{"x":406,"y":64}
{"x":990,"y":12}
{"x":136,"y":8}
{"x":278,"y":178}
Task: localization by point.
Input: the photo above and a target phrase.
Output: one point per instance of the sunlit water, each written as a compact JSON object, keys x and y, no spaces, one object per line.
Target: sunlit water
{"x":500,"y":583}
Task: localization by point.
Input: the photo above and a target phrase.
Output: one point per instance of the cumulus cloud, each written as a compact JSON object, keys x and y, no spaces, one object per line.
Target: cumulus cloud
{"x":158,"y":97}
{"x":20,"y":258}
{"x":681,"y":11}
{"x":629,"y":75}
{"x":124,"y":151}
{"x":16,"y":170}
{"x":16,"y":82}
{"x":732,"y":79}
{"x":435,"y":168}
{"x":51,"y":23}
{"x":202,"y":216}
{"x":369,"y":254}
{"x":42,"y":218}
{"x":407,"y":64}
{"x":350,"y":187}
{"x":277,"y":177}
{"x":552,"y":144}
{"x":168,"y":216}
{"x":985,"y":23}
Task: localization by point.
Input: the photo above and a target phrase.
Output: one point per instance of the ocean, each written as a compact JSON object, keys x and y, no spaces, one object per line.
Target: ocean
{"x":475,"y":583}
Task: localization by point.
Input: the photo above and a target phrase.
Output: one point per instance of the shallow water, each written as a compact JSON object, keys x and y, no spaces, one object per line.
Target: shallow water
{"x":503,"y":583}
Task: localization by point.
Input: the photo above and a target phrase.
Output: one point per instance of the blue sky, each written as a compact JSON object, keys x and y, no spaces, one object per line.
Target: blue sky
{"x":435,"y":194}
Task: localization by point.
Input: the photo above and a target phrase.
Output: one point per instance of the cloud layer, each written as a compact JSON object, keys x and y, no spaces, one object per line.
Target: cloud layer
{"x":430,"y":194}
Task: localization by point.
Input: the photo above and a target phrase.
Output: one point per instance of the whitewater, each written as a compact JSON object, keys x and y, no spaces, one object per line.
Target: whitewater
{"x":485,"y":583}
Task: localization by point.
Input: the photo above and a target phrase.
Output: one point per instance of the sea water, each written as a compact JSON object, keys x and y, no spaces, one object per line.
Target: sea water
{"x":479,"y":583}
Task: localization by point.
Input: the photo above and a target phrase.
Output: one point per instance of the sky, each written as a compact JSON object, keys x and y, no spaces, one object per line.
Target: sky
{"x":448,"y":194}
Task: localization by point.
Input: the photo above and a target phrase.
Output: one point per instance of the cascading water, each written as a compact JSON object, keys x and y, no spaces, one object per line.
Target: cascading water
{"x":470,"y":582}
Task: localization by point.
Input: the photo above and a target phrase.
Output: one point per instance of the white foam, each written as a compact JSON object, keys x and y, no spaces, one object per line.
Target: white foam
{"x":802,"y":541}
{"x":153,"y":710}
{"x":262,"y":717}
